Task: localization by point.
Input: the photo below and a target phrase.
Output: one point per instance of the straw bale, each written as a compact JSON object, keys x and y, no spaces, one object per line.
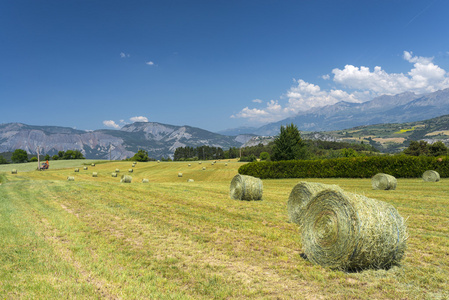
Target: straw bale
{"x":200,"y":162}
{"x":114,"y":174}
{"x":70,"y":178}
{"x":85,"y":168}
{"x":352,"y":232}
{"x":145,"y":180}
{"x":94,"y":174}
{"x":383,"y":181}
{"x":13,"y":171}
{"x":226,"y":164}
{"x":117,"y":170}
{"x":126,"y":179}
{"x":245,"y":187}
{"x":301,"y":195}
{"x":133,"y":165}
{"x":179,"y":174}
{"x":130,"y":170}
{"x":430,"y":175}
{"x":204,"y":168}
{"x":189,"y":165}
{"x":77,"y":170}
{"x":190,"y":180}
{"x":93,"y":165}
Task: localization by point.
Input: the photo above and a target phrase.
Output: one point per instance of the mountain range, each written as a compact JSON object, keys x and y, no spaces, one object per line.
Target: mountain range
{"x":160,"y":140}
{"x":401,"y":108}
{"x":329,"y":123}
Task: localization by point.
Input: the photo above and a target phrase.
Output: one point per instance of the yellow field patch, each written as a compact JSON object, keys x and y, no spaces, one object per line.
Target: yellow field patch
{"x":443,"y":132}
{"x":389,"y":140}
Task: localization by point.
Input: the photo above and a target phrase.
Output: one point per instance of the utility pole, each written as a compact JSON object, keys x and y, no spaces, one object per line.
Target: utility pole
{"x":38,"y":159}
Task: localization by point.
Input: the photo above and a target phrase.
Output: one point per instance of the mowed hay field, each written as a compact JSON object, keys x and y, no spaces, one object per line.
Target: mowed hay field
{"x":95,"y":237}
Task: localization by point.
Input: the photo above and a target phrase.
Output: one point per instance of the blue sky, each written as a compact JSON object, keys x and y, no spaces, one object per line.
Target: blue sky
{"x":211,"y":64}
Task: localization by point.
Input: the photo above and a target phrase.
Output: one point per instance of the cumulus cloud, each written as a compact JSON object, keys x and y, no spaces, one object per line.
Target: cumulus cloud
{"x":150,"y":63}
{"x":110,"y":123}
{"x":124,"y":55}
{"x":257,"y":101}
{"x":139,"y":119}
{"x":424,"y":77}
{"x":357,"y":84}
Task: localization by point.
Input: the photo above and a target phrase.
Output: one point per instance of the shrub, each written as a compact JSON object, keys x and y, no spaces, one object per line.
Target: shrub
{"x":399,"y":166}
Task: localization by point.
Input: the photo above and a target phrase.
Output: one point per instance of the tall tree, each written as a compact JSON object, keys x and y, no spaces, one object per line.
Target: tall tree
{"x":19,"y":156}
{"x":288,"y":145}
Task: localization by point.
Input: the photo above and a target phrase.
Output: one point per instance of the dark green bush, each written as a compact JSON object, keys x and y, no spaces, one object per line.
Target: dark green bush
{"x":400,"y":166}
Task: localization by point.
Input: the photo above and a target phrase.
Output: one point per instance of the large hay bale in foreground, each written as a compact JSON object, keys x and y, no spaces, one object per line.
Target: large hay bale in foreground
{"x":70,"y":178}
{"x":126,"y":179}
{"x":245,"y":187}
{"x":13,"y":171}
{"x":383,"y":181}
{"x":352,"y":232}
{"x":301,"y":195}
{"x":430,"y":175}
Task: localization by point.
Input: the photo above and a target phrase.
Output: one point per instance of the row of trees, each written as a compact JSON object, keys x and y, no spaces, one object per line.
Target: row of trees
{"x":21,"y":156}
{"x":199,"y":153}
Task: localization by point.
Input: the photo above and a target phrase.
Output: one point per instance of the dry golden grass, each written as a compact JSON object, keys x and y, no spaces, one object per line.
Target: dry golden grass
{"x":169,"y":238}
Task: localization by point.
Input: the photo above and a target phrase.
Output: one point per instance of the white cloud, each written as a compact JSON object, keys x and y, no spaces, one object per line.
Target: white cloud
{"x":124,"y":55}
{"x":424,"y":77}
{"x":139,"y":119}
{"x":110,"y":123}
{"x":150,"y":63}
{"x":257,"y":101}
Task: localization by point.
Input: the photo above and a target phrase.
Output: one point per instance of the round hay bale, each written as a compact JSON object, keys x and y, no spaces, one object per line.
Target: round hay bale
{"x":70,"y":178}
{"x":133,"y":165}
{"x":134,"y":162}
{"x":352,"y":232}
{"x":204,"y":168}
{"x":77,"y":170}
{"x":301,"y":195}
{"x":117,"y":170}
{"x":93,"y":165}
{"x":189,"y":165}
{"x":383,"y":181}
{"x":431,"y":176}
{"x":130,"y":170}
{"x":94,"y":174}
{"x":226,"y":164}
{"x":145,"y":180}
{"x":200,"y":162}
{"x":114,"y":174}
{"x":158,"y":161}
{"x":179,"y":174}
{"x":13,"y":171}
{"x":126,"y":179}
{"x":190,"y":180}
{"x":245,"y":187}
{"x":85,"y":168}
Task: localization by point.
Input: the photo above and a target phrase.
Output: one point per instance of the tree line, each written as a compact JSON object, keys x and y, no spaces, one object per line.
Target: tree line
{"x":21,"y":156}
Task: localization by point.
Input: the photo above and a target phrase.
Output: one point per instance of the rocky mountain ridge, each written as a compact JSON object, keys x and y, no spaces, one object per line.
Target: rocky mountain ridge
{"x":160,"y":140}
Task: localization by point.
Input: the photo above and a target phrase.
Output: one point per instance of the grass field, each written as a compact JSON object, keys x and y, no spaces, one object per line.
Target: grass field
{"x":171,"y":239}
